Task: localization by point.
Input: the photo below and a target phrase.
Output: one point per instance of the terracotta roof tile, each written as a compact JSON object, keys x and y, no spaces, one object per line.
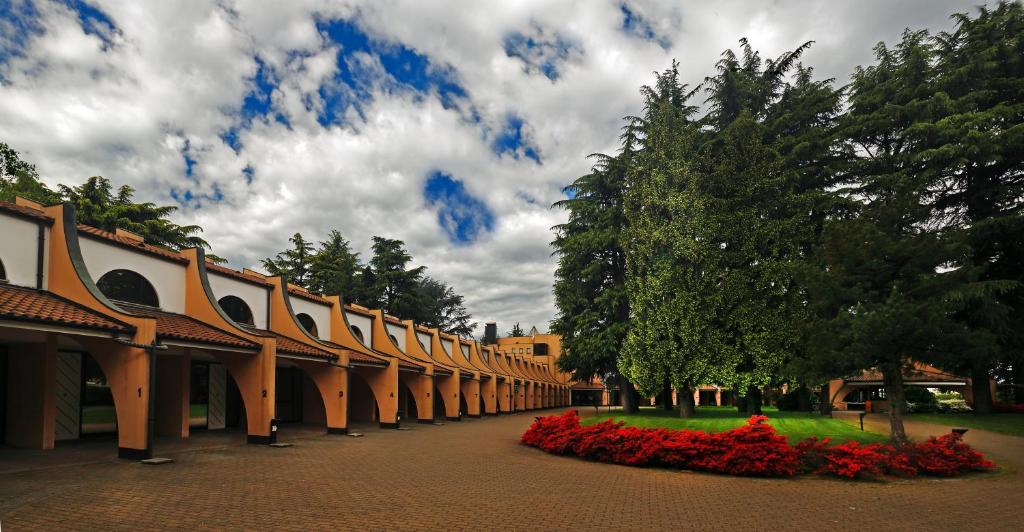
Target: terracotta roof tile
{"x":308,"y":295}
{"x":90,"y":231}
{"x":359,"y":310}
{"x":28,"y":304}
{"x":287,"y":345}
{"x":355,"y":356}
{"x":216,"y":268}
{"x":181,"y":327}
{"x":24,"y":212}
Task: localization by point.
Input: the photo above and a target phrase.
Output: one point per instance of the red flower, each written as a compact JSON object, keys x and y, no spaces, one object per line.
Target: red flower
{"x":754,"y":449}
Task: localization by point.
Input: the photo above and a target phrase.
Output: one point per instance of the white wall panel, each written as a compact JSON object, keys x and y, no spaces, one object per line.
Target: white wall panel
{"x":253,"y":295}
{"x":321,"y":314}
{"x":19,"y":248}
{"x":167,"y":277}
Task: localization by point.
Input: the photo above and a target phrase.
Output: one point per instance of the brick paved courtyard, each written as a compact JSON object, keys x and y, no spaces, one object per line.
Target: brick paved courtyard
{"x":468,"y":475}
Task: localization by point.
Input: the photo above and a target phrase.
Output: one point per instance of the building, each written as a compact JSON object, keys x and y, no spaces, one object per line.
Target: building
{"x":105,"y":333}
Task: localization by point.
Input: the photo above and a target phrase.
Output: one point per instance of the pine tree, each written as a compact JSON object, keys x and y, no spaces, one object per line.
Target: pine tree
{"x":293,"y":263}
{"x":334,"y":267}
{"x":976,"y":151}
{"x":394,"y":283}
{"x":879,"y":286}
{"x":516,"y":332}
{"x":443,"y":308}
{"x":590,"y":280}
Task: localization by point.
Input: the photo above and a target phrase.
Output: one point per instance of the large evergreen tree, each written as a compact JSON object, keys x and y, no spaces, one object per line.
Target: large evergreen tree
{"x":590,"y":280}
{"x":334,"y":267}
{"x":394,"y":282}
{"x":443,"y":308}
{"x":293,"y":263}
{"x":975,"y":148}
{"x":880,"y":286}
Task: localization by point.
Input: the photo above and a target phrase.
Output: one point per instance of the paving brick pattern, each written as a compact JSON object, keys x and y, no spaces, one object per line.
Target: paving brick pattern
{"x":471,"y":475}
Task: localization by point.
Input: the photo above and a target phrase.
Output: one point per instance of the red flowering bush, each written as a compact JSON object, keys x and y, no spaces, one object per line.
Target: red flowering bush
{"x":848,"y":460}
{"x":754,"y":449}
{"x":945,"y":456}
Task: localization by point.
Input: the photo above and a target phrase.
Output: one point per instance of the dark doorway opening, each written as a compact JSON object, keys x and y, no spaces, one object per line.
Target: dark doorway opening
{"x":361,"y":403}
{"x":234,"y":406}
{"x":288,"y":395}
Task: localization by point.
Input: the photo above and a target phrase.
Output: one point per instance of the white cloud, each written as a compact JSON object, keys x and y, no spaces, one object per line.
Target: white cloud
{"x":180,"y":71}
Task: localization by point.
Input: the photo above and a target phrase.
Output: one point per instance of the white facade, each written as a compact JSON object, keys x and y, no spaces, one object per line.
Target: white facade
{"x":321,"y":314}
{"x":398,"y":333}
{"x":364,"y":323}
{"x":19,"y":250}
{"x":425,"y":340}
{"x":167,"y":277}
{"x":253,"y":295}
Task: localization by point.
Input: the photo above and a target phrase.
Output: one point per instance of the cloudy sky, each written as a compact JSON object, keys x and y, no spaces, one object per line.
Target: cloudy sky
{"x":451,"y":125}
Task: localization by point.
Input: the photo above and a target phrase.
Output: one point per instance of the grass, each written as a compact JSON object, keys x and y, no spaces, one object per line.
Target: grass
{"x":1012,"y":424}
{"x":795,"y":425}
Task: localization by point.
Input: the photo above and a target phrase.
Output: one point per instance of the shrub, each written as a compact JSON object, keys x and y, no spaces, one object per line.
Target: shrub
{"x":791,"y":400}
{"x":945,"y":456}
{"x":920,"y":400}
{"x":1008,"y":408}
{"x":754,"y":449}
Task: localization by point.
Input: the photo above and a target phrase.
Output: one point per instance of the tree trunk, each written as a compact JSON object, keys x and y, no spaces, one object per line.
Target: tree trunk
{"x":628,"y":392}
{"x":893,"y":379}
{"x":741,"y":403}
{"x":684,"y":396}
{"x":981,"y":390}
{"x":803,"y":398}
{"x":1018,"y":381}
{"x":754,"y":401}
{"x":666,"y":395}
{"x":825,"y":405}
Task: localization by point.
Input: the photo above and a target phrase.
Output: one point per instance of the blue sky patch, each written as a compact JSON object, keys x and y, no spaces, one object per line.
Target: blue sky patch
{"x":512,"y":139}
{"x":635,"y":25}
{"x":408,"y":69}
{"x":462,"y":216}
{"x":257,"y":103}
{"x":93,"y":21}
{"x":541,"y":53}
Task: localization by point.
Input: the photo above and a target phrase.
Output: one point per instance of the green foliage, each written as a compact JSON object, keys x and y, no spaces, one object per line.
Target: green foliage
{"x":443,"y":308}
{"x":516,"y":332}
{"x":334,"y":267}
{"x":385,"y":282}
{"x":293,"y":263}
{"x":98,"y":205}
{"x":920,"y":400}
{"x":19,"y":178}
{"x":589,"y":289}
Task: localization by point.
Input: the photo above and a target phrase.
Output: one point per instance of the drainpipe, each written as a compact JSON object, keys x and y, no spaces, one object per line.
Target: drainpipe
{"x":39,"y":256}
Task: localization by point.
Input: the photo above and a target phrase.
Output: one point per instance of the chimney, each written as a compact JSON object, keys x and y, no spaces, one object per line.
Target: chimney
{"x":490,"y":333}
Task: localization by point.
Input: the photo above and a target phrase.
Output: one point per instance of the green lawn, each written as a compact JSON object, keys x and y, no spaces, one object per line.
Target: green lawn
{"x":1012,"y":424}
{"x":795,"y":425}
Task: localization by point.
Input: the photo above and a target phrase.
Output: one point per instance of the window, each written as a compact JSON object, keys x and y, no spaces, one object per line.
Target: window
{"x":307,"y":323}
{"x":3,"y":272}
{"x":520,"y":350}
{"x":393,"y":339}
{"x":358,"y":333}
{"x":236,"y":309}
{"x":128,"y":287}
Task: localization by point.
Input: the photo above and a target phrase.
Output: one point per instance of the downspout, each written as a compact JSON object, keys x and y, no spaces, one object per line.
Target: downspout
{"x":39,"y":256}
